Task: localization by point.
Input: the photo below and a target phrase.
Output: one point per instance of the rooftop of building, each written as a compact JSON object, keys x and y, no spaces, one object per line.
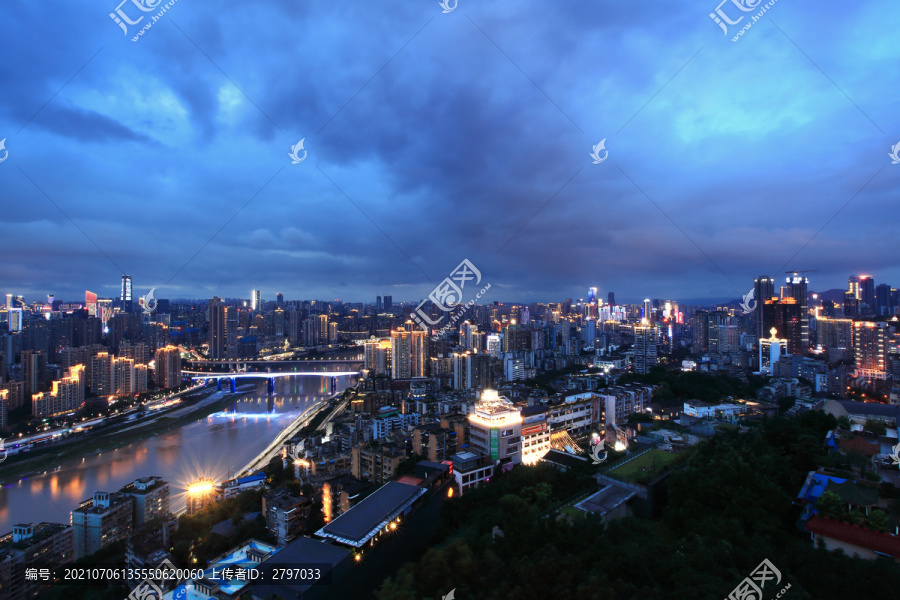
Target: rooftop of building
{"x":565,"y":459}
{"x":284,"y":499}
{"x":359,"y":524}
{"x":150,"y":484}
{"x":41,"y":532}
{"x":606,"y":500}
{"x":349,"y":484}
{"x":858,"y":445}
{"x":89,"y":507}
{"x":858,"y":535}
{"x":302,"y":551}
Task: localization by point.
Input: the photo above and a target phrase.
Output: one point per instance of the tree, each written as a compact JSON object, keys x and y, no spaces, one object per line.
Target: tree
{"x":830,"y":505}
{"x":879,"y":520}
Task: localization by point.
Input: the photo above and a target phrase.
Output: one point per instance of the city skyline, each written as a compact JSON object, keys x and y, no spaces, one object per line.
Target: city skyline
{"x":621,"y":297}
{"x":435,"y":137}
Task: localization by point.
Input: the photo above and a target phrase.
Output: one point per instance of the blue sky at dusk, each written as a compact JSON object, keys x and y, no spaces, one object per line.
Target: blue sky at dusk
{"x":435,"y":137}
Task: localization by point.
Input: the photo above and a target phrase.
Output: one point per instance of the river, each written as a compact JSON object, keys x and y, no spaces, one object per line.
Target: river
{"x":214,"y":446}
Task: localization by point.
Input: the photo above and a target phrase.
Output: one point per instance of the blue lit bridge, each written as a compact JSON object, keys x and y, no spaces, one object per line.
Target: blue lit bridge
{"x":270,"y":377}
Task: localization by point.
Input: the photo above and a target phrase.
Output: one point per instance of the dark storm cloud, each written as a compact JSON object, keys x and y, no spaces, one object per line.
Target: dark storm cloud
{"x":463,"y":135}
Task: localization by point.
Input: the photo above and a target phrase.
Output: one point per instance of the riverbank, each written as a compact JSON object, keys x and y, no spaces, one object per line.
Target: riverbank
{"x":309,"y":417}
{"x":50,"y":458}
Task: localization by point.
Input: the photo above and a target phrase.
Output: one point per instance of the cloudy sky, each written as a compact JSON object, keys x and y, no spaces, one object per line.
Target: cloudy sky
{"x":432,"y":137}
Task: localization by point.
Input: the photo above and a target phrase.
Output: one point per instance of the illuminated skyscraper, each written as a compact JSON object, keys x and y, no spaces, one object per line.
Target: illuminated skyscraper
{"x":125,"y":295}
{"x":255,"y":300}
{"x":785,"y":316}
{"x":592,"y":295}
{"x":648,"y":312}
{"x":869,"y":349}
{"x":216,"y":328}
{"x":15,"y":319}
{"x":90,"y":303}
{"x":407,"y":352}
{"x":797,"y":289}
{"x":644,"y":348}
{"x":231,"y":332}
{"x":763,"y":289}
{"x":862,"y":288}
{"x":167,"y":367}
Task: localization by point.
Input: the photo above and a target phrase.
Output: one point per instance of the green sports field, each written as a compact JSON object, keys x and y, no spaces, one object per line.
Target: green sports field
{"x":645,"y":466}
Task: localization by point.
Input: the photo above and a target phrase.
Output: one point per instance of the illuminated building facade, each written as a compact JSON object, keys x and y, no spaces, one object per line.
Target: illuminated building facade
{"x":168,"y":367}
{"x":125,"y":294}
{"x":90,"y":303}
{"x":378,"y":356}
{"x":770,"y":350}
{"x":797,"y":289}
{"x":535,"y":434}
{"x":407,"y":353}
{"x":495,"y":429}
{"x":869,"y":349}
{"x":644,"y":348}
{"x":785,"y":317}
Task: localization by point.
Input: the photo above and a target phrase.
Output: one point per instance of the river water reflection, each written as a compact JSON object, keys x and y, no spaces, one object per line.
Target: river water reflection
{"x":214,"y":446}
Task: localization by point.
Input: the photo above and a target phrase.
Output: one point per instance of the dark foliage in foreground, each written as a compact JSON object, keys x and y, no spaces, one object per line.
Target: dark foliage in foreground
{"x":729,"y":508}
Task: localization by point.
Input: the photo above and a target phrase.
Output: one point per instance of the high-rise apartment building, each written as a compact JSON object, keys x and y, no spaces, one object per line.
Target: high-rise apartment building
{"x":468,"y":336}
{"x":700,"y":332}
{"x":494,"y":345}
{"x":103,"y":374}
{"x":378,"y":356}
{"x":231,"y":332}
{"x":151,"y":498}
{"x":216,"y":328}
{"x":407,"y":353}
{"x":34,"y":370}
{"x":15,"y":319}
{"x":644,"y":348}
{"x":168,"y":367}
{"x":869,"y":349}
{"x":124,"y":377}
{"x":388,"y":303}
{"x":101,"y":521}
{"x":321,"y":330}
